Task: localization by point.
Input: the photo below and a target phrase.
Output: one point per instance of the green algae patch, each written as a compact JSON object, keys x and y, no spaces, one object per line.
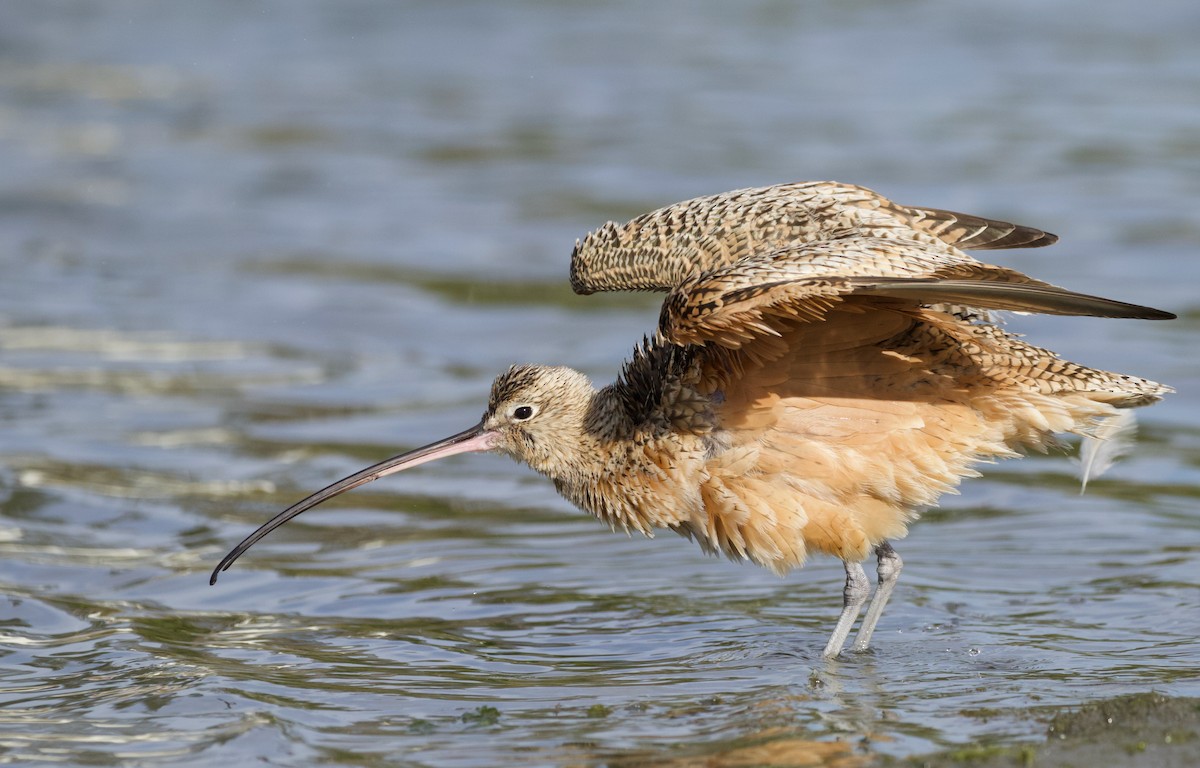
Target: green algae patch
{"x":1144,"y":730}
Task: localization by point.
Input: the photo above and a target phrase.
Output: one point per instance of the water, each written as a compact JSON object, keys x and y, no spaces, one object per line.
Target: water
{"x":251,"y":247}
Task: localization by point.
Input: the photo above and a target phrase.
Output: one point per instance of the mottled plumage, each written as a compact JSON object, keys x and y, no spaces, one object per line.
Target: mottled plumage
{"x":824,"y":366}
{"x":661,"y":249}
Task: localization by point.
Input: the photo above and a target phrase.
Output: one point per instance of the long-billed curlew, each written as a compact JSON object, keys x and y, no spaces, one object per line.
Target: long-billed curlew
{"x":824,"y":366}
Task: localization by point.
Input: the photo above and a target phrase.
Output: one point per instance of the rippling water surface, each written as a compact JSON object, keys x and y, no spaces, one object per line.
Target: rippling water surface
{"x":250,"y":247}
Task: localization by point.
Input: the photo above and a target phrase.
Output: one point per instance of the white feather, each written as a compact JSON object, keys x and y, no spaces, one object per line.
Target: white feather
{"x":1111,"y":439}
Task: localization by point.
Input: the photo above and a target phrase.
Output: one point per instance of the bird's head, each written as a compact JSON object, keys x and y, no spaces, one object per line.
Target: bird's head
{"x":535,"y":414}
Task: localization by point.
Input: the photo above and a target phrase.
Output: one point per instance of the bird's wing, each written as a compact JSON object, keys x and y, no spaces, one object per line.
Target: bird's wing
{"x":752,"y":298}
{"x":850,"y":381}
{"x":661,"y":249}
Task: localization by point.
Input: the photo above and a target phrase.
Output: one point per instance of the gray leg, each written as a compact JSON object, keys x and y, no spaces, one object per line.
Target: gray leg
{"x":853,"y":596}
{"x":889,"y":570}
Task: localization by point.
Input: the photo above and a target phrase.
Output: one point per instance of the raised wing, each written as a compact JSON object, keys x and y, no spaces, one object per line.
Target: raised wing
{"x":753,"y":298}
{"x":662,"y":249}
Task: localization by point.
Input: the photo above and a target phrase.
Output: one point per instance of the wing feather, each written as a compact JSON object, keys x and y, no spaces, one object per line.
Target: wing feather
{"x":750,"y":299}
{"x":977,"y":233}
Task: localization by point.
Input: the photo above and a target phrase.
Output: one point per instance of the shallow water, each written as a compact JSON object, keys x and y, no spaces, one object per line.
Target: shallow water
{"x":249,"y":248}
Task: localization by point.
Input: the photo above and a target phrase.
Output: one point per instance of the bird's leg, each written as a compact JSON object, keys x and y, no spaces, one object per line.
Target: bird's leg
{"x":889,"y":570}
{"x":853,"y":596}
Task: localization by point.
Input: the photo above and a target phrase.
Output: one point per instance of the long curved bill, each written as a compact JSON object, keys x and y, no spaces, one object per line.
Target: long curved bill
{"x":474,"y":439}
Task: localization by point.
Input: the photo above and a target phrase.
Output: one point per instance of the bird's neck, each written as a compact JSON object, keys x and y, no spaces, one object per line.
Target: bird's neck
{"x":624,"y":434}
{"x":622,"y":469}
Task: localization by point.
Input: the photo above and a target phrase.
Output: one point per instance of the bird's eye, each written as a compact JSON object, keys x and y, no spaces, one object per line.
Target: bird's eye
{"x":522,"y":412}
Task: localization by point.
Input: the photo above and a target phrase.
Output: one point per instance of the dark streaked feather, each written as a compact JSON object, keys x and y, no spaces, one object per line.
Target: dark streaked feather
{"x":977,"y":233}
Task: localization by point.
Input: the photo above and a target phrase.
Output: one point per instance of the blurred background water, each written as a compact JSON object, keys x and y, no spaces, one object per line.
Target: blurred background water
{"x":249,"y":247}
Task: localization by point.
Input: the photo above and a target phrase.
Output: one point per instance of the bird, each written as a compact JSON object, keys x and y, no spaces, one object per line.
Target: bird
{"x":826,"y":364}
